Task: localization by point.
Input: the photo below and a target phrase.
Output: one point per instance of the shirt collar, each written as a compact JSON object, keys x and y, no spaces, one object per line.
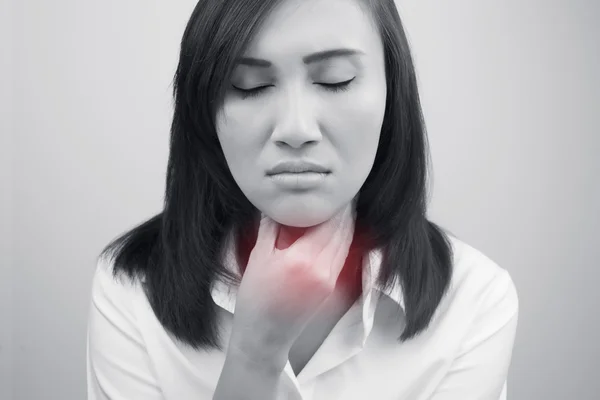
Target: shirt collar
{"x":224,"y":294}
{"x":371,"y":267}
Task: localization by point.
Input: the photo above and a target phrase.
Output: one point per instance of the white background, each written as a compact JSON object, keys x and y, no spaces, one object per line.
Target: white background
{"x":511,"y":96}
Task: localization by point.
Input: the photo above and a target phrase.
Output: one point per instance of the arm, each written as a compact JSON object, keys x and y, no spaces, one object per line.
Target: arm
{"x":243,"y":377}
{"x":118,"y":367}
{"x":480,"y":368}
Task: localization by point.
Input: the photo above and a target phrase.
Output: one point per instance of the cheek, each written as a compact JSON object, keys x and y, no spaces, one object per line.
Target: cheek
{"x":237,"y":133}
{"x":358,"y":123}
{"x":240,"y":145}
{"x":234,"y":125}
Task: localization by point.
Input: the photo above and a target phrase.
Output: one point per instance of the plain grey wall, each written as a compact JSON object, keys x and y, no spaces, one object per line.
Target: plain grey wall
{"x":511,"y":97}
{"x":6,"y":238}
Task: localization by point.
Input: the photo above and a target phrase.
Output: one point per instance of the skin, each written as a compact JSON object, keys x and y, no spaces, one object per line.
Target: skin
{"x":297,"y":117}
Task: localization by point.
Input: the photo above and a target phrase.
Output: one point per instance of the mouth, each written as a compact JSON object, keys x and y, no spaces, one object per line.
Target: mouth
{"x":297,"y":166}
{"x":294,"y":173}
{"x":299,"y":180}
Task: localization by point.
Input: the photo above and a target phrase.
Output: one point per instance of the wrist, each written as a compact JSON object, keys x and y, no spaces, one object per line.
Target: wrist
{"x":271,"y":363}
{"x":258,"y":353}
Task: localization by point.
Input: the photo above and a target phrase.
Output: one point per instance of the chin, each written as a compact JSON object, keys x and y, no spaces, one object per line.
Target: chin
{"x":302,"y":213}
{"x":298,"y":215}
{"x":300,"y":219}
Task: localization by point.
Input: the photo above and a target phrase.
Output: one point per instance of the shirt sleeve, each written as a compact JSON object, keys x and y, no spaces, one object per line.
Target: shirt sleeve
{"x":480,"y":369}
{"x":118,"y":366}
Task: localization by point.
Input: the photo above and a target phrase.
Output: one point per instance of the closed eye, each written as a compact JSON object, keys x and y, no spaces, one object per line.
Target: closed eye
{"x":333,"y":87}
{"x":250,"y":92}
{"x":336,"y":87}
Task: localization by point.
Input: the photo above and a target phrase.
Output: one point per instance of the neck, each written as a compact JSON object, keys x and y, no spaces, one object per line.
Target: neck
{"x":288,"y":235}
{"x":349,"y":282}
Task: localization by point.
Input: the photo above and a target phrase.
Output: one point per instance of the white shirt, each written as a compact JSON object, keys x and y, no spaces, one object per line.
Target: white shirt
{"x":463,"y":355}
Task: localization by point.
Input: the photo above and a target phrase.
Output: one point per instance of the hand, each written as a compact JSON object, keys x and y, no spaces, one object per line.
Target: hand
{"x":282,"y":289}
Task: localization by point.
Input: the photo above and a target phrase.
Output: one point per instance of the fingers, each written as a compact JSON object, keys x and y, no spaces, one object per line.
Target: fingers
{"x":317,"y":238}
{"x":267,"y":234}
{"x":337,"y":251}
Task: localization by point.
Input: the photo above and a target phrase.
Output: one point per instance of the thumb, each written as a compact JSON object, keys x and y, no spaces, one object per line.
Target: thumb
{"x":267,"y":234}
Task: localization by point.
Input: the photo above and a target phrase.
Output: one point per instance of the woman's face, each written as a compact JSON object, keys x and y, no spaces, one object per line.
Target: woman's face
{"x":300,"y":115}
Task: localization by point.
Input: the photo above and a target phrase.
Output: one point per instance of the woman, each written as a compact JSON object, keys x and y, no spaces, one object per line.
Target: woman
{"x":298,"y":162}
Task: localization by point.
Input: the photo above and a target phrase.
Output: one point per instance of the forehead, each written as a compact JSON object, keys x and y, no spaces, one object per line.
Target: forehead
{"x":299,"y":27}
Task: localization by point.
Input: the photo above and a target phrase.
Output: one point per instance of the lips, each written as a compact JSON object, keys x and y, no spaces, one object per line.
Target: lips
{"x":302,"y":181}
{"x":297,"y":166}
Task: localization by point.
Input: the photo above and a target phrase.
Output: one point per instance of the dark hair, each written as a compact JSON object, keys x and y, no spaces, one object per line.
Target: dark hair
{"x":177,"y":252}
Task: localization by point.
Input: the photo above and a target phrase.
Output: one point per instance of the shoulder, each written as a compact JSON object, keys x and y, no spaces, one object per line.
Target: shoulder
{"x":114,"y":292}
{"x":479,"y":284}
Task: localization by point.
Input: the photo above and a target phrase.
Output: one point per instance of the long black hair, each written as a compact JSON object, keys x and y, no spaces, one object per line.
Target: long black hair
{"x":176,"y":253}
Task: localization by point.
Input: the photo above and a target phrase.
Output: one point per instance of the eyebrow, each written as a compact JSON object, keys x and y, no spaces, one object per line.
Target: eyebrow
{"x":309,"y":59}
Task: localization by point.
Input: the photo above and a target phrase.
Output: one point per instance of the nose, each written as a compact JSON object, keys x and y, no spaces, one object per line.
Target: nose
{"x":296,"y":122}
